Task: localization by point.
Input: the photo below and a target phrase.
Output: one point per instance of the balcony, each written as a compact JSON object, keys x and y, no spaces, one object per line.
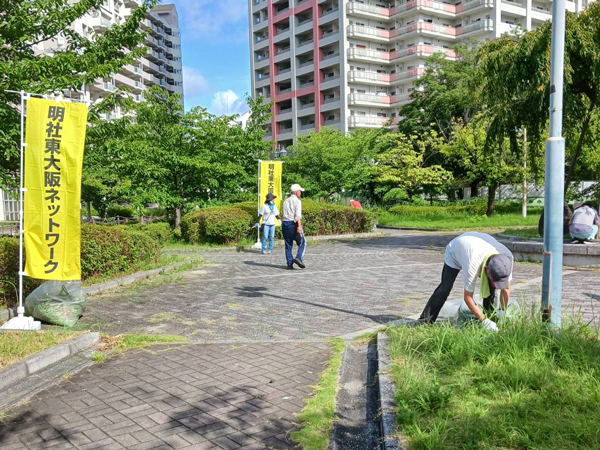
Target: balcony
{"x":307,"y":105}
{"x":370,"y":33}
{"x":108,"y":86}
{"x":364,"y":77}
{"x":424,"y":5}
{"x":476,"y":27}
{"x":307,"y":126}
{"x":285,"y":91}
{"x":381,"y":101}
{"x":368,"y":11}
{"x":408,"y":74}
{"x":367,"y":55}
{"x":371,"y":121}
{"x":305,"y":84}
{"x":425,"y":28}
{"x":474,"y":4}
{"x":420,"y":51}
{"x":306,"y":42}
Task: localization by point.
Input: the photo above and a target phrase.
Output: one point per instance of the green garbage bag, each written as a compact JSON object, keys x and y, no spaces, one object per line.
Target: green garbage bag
{"x":57,"y":302}
{"x":465,"y":316}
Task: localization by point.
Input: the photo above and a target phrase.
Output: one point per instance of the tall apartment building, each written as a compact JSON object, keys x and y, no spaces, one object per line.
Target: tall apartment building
{"x":352,"y":63}
{"x":160,"y":66}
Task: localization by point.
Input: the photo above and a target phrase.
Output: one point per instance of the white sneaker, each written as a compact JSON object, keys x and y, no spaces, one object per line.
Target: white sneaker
{"x":268,"y":252}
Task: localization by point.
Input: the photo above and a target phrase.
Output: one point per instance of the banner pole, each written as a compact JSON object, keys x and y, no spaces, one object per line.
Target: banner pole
{"x":20,"y":309}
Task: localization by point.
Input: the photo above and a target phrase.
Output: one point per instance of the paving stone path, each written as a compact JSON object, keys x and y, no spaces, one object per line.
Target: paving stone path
{"x":259,"y":342}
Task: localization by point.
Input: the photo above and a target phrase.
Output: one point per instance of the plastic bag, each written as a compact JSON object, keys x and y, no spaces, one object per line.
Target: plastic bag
{"x":57,"y":302}
{"x":464,"y":314}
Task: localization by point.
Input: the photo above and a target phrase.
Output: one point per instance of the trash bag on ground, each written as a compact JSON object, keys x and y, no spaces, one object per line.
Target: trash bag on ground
{"x":57,"y":302}
{"x":465,"y":316}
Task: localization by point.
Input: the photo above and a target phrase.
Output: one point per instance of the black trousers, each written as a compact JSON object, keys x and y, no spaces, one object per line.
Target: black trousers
{"x":440,"y":295}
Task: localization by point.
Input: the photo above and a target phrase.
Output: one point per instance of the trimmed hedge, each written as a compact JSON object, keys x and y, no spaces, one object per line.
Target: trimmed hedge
{"x":161,"y":232}
{"x":109,"y":250}
{"x":424,"y":211}
{"x":105,"y":250}
{"x":217,"y":225}
{"x":317,"y":219}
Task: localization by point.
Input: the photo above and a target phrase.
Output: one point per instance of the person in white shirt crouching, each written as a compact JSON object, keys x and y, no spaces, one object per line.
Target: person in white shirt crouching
{"x":476,"y":255}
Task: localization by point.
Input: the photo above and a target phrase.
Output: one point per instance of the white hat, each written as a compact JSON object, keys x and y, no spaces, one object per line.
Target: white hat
{"x":296,"y":187}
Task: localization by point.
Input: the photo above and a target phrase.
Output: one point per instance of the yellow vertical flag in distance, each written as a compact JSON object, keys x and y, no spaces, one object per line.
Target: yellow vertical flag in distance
{"x":55,"y":137}
{"x":270,"y":182}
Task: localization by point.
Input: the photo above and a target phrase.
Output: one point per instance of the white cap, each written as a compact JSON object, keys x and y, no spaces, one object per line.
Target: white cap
{"x":296,"y":187}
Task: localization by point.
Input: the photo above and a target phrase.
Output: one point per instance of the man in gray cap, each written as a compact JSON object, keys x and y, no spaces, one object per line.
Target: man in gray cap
{"x":477,"y":255}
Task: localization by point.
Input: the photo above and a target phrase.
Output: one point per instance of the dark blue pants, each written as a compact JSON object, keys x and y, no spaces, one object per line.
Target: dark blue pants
{"x":290,"y":236}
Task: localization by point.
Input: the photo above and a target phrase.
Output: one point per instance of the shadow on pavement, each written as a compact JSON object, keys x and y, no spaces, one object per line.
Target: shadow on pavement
{"x":258,"y":292}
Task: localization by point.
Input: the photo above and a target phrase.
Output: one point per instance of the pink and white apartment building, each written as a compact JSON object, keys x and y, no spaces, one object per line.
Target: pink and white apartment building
{"x":351,"y":64}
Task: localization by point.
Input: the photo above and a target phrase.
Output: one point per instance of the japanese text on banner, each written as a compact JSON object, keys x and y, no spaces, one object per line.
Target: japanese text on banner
{"x":55,"y":135}
{"x":270,"y":181}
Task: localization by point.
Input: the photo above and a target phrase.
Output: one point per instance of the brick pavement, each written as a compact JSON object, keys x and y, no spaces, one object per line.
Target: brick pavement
{"x":250,"y":297}
{"x":192,"y":397}
{"x":234,"y":388}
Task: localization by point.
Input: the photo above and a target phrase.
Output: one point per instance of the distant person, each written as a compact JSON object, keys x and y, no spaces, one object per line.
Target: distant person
{"x":292,"y":227}
{"x":269,"y":214}
{"x":583,"y":226}
{"x":567,"y":214}
{"x":355,"y":204}
{"x":477,"y":255}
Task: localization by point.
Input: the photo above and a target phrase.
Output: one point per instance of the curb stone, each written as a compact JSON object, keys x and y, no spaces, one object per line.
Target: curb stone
{"x":387,"y":392}
{"x":20,"y":370}
{"x":390,"y":227}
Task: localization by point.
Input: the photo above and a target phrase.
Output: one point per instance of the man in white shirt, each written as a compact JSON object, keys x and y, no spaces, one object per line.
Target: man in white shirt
{"x":291,"y":226}
{"x":477,"y":255}
{"x":583,"y":226}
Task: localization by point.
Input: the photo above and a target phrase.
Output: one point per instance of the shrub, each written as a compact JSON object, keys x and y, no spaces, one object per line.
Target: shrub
{"x":105,"y":250}
{"x":395,"y":195}
{"x":320,"y":219}
{"x":111,"y":250}
{"x":425,"y":211}
{"x":159,"y":231}
{"x":121,"y":211}
{"x":219,"y":225}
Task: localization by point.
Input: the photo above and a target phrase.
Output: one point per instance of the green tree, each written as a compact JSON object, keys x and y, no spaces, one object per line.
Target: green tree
{"x":516,"y":83}
{"x":329,"y":162}
{"x":478,"y":164}
{"x":172,"y":158}
{"x":400,"y":163}
{"x":447,"y":93}
{"x":25,"y":23}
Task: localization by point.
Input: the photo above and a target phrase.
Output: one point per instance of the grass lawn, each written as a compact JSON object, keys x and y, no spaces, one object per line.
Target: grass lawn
{"x":316,"y":418}
{"x":16,"y":345}
{"x":459,"y":221}
{"x":522,"y":388}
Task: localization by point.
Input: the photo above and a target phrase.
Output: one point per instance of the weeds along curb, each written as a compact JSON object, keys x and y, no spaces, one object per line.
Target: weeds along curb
{"x":390,"y":227}
{"x":387,"y":393}
{"x":19,"y":371}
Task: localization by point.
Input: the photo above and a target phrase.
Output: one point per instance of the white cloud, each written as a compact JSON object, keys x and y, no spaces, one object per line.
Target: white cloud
{"x":227,"y":102}
{"x":194,"y":84}
{"x":215,"y":20}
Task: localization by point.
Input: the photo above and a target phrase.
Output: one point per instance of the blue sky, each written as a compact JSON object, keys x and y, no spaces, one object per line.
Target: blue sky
{"x":215,"y":51}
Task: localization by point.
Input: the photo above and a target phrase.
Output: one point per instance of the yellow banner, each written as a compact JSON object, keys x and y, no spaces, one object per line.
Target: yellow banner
{"x":270,"y":182}
{"x":55,"y":135}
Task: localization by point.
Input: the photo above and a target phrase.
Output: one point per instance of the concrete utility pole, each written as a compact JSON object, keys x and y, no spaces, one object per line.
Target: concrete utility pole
{"x":555,"y":175}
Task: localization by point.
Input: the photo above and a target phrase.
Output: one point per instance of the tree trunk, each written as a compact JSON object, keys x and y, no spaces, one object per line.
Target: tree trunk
{"x":474,"y":190}
{"x":491,"y":200}
{"x":88,"y":208}
{"x":177,"y":216}
{"x":584,"y":129}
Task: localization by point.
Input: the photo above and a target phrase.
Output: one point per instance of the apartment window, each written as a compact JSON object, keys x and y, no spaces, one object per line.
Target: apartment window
{"x":361,"y":113}
{"x":361,"y":91}
{"x":381,"y":115}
